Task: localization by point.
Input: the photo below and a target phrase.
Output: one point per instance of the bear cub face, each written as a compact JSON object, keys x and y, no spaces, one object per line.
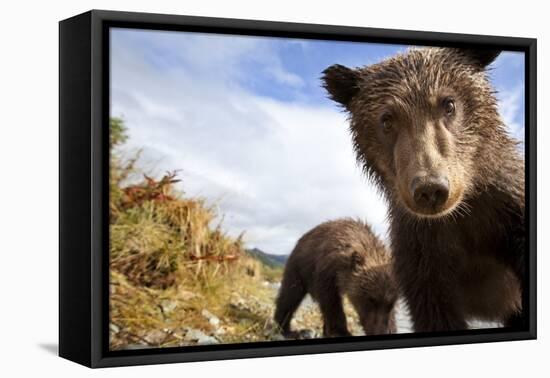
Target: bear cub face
{"x":418,"y":123}
{"x":373,"y":293}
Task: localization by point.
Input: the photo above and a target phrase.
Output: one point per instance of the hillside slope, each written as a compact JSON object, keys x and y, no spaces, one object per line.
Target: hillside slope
{"x":271,"y":260}
{"x":175,"y":277}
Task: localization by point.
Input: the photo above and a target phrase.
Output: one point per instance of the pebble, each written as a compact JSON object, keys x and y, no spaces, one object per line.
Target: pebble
{"x":212,"y":319}
{"x":307,"y":334}
{"x":278,"y":337}
{"x":200,"y":337}
{"x":155,"y":337}
{"x":114,"y":328}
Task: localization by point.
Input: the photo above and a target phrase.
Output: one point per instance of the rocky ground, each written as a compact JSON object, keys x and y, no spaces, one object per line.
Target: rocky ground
{"x":246,"y":318}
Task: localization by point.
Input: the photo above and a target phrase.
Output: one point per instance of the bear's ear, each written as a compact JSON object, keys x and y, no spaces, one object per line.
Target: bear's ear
{"x":357,"y":260}
{"x":482,"y":57}
{"x":341,"y":83}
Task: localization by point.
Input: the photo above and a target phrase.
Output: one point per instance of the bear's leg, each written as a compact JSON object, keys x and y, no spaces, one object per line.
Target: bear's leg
{"x":434,"y":314}
{"x":432,"y":295}
{"x":290,"y":296}
{"x":518,"y":320}
{"x":334,"y":317}
{"x":517,"y":254}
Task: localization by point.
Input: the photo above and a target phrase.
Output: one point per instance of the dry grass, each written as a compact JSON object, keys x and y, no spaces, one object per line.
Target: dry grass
{"x":169,"y":263}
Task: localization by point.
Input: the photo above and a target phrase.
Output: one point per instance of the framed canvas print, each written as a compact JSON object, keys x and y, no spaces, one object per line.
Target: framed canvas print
{"x":234,"y":188}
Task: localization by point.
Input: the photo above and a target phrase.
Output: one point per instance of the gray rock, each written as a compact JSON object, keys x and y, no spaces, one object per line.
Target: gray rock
{"x":278,"y":337}
{"x":155,"y":337}
{"x":212,"y":319}
{"x":114,"y":328}
{"x":200,"y":337}
{"x":307,"y":334}
{"x":208,"y":340}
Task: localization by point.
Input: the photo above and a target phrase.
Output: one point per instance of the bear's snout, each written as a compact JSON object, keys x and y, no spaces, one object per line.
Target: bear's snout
{"x":430,"y":192}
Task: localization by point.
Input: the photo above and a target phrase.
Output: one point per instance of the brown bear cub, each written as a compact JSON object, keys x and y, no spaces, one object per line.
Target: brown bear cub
{"x":426,"y":128}
{"x":336,"y":258}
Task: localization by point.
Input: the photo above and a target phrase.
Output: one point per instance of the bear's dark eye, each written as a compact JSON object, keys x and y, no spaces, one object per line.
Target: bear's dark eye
{"x":449,"y":106}
{"x":387,"y":123}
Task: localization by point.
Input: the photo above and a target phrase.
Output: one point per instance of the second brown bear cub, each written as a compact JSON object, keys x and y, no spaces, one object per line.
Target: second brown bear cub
{"x":336,"y":258}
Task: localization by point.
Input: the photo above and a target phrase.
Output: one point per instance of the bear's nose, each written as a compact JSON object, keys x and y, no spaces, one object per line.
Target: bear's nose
{"x":430,"y":192}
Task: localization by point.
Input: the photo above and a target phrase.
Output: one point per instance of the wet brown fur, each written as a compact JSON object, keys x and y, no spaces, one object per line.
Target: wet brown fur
{"x":336,"y":258}
{"x":465,"y":259}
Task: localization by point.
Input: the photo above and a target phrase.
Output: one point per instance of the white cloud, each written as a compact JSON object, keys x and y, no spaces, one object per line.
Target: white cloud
{"x":273,"y":169}
{"x":285,"y":77}
{"x":510,"y":106}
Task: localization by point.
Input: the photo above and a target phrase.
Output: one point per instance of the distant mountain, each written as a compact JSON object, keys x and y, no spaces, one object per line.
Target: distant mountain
{"x":271,"y":260}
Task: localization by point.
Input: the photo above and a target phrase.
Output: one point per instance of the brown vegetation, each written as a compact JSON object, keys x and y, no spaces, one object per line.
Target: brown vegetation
{"x":175,"y":274}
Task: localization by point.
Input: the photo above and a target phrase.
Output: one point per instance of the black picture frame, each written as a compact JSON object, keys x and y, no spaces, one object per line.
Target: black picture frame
{"x":83,"y":196}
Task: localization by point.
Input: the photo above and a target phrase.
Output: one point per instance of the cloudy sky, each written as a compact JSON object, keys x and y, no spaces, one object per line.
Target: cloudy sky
{"x":249,"y":128}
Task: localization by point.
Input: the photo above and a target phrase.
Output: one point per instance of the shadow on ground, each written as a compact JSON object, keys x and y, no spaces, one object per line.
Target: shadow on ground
{"x":51,"y":348}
